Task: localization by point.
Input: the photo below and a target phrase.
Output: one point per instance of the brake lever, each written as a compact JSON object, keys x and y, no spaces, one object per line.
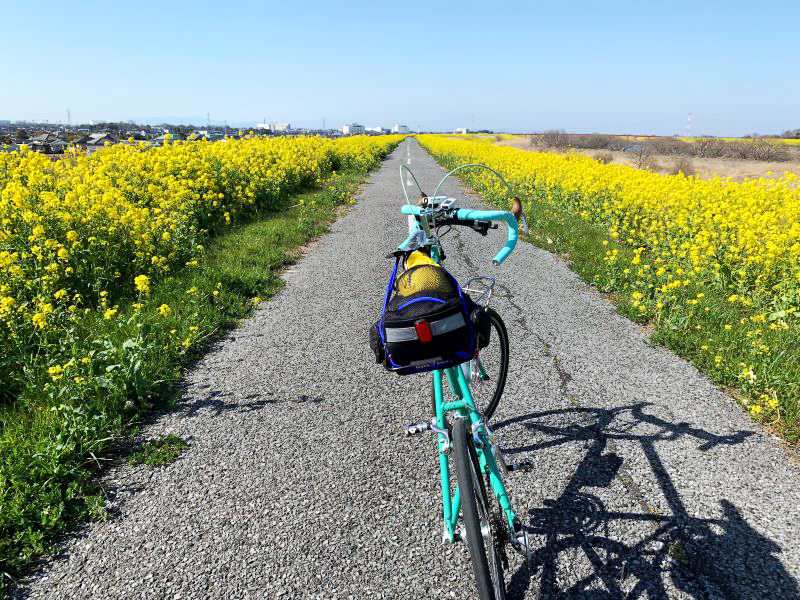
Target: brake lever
{"x":483,"y":227}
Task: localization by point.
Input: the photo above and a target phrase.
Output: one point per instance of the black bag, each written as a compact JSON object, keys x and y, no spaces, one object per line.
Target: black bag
{"x":426,"y":322}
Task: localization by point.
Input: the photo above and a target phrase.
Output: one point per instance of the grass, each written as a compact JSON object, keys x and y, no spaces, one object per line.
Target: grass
{"x":158,"y":452}
{"x":677,"y":553}
{"x":53,"y":445}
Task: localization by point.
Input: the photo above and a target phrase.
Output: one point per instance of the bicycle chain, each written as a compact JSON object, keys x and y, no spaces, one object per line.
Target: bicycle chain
{"x":498,"y":527}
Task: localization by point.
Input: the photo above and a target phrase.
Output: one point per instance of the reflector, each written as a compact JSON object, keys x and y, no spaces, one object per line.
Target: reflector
{"x":423,"y":331}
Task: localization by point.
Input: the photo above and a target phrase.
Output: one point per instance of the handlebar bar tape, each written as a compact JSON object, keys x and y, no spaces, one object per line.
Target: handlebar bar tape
{"x":495,"y":215}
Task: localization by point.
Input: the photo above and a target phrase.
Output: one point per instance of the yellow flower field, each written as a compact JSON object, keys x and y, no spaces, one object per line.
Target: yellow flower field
{"x":79,"y":232}
{"x":715,"y":258}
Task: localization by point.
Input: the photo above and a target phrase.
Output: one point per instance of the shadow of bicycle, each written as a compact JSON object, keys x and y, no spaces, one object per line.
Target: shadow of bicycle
{"x":657,"y":556}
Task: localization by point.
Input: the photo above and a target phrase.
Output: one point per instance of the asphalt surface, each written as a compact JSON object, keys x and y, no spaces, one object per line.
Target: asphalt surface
{"x":298,"y":482}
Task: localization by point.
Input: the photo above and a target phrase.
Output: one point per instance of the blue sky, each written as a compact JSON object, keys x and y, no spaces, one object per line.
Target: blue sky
{"x":614,"y":67}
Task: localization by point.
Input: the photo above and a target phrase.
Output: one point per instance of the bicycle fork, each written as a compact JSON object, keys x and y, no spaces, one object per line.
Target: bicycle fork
{"x":488,"y":453}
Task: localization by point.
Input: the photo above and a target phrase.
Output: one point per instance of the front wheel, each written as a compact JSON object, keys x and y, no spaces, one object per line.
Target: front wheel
{"x":493,"y":368}
{"x":483,"y":547}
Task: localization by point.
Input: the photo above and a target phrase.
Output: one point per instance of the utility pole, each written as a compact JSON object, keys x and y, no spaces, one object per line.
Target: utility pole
{"x":323,"y":123}
{"x":69,"y":118}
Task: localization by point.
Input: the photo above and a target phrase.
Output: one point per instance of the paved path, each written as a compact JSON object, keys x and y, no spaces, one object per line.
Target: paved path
{"x":298,"y":483}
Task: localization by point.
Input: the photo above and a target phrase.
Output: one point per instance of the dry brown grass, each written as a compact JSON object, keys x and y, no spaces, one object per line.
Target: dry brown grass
{"x":704,"y":168}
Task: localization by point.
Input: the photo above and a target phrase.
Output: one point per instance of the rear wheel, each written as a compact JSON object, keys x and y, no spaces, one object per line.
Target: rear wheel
{"x":487,"y":564}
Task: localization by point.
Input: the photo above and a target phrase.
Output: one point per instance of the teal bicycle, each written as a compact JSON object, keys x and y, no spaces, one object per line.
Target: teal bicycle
{"x":477,"y":509}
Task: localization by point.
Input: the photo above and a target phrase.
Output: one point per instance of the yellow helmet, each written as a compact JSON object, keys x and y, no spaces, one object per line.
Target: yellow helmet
{"x":430,"y":277}
{"x":419,"y":258}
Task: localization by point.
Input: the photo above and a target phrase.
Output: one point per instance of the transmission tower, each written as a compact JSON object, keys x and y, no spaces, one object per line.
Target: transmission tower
{"x":689,"y":126}
{"x":69,"y":118}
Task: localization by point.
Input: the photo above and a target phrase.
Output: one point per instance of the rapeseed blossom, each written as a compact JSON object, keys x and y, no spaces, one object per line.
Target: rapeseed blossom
{"x":75,"y":232}
{"x":740,"y":241}
{"x":142,"y":283}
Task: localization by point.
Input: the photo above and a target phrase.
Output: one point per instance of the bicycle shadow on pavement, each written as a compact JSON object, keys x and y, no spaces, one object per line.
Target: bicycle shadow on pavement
{"x":584,"y":550}
{"x":214,"y":403}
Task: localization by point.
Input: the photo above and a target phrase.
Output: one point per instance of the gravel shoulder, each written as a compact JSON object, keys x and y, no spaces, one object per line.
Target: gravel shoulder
{"x":298,"y":483}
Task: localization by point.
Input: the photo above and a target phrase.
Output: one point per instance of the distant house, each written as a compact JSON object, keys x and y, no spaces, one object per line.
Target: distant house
{"x":57,"y":146}
{"x":136,"y":135}
{"x":400,"y":129}
{"x":461,"y":131}
{"x":168,"y":138}
{"x":48,"y":143}
{"x":93,"y":141}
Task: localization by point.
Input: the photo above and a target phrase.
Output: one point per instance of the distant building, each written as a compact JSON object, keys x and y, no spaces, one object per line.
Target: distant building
{"x":263,"y":126}
{"x":93,"y":141}
{"x":281,"y":127}
{"x":375,"y":130}
{"x":461,"y":130}
{"x":168,"y":138}
{"x":49,"y":143}
{"x":136,"y":134}
{"x":4,"y":123}
{"x":353,"y":129}
{"x":400,"y":129}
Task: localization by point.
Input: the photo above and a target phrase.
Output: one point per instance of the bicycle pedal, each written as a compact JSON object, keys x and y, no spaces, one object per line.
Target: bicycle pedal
{"x":525,"y":466}
{"x":415,"y":428}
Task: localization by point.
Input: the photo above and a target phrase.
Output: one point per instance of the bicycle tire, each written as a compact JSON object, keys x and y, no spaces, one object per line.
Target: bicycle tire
{"x":486,"y":564}
{"x":498,"y":340}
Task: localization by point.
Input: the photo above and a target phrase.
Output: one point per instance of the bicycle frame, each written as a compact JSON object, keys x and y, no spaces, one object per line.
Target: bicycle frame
{"x":463,"y":406}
